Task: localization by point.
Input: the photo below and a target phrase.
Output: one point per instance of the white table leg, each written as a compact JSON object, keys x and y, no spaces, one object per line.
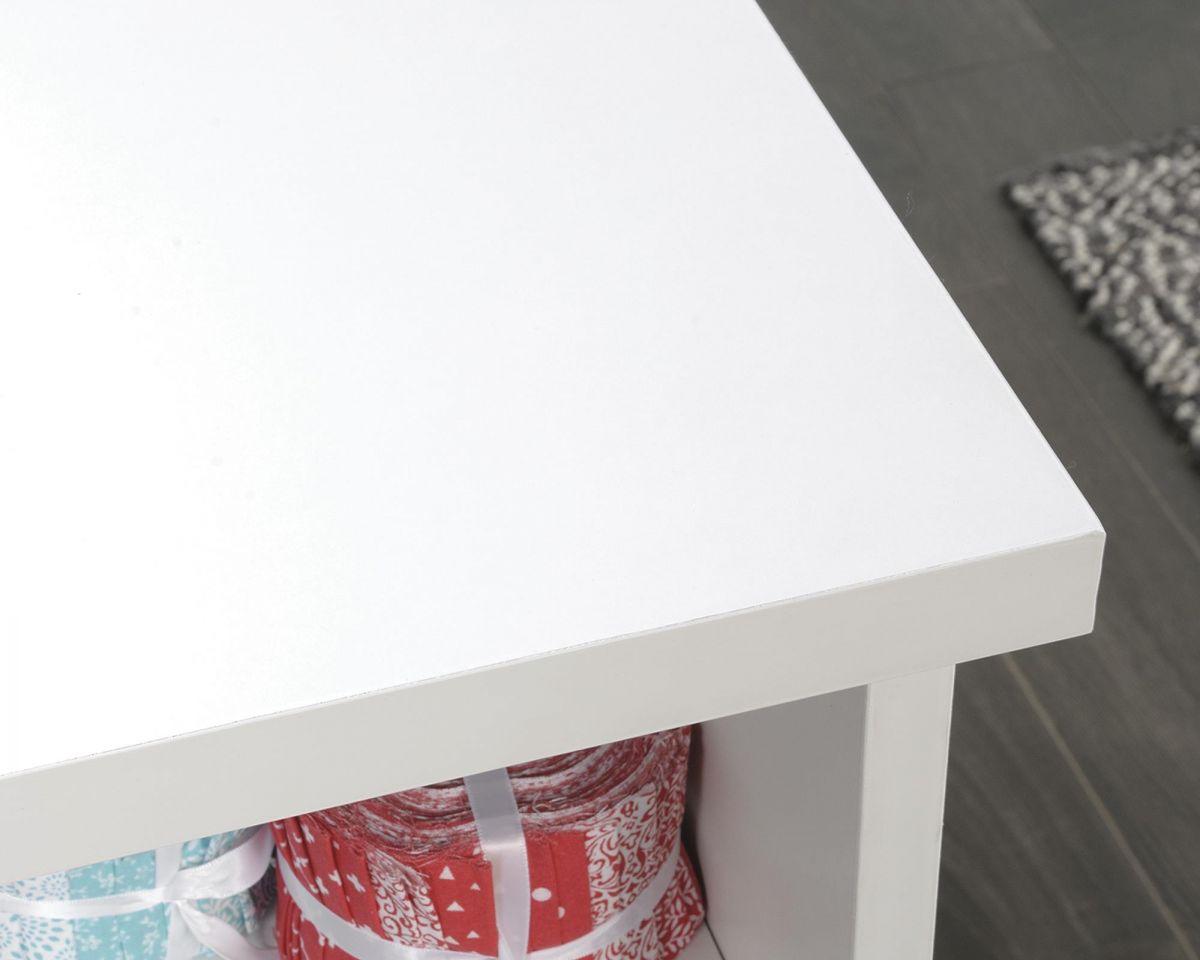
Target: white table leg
{"x":818,"y":823}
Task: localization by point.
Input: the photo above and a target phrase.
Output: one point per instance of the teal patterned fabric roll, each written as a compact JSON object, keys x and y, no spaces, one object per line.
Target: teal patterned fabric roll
{"x":132,"y":936}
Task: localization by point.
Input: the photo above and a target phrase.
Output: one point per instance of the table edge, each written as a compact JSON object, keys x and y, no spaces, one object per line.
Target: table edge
{"x":288,"y":763}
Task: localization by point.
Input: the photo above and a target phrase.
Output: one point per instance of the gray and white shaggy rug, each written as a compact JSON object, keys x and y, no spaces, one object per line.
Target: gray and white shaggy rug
{"x":1123,"y":228}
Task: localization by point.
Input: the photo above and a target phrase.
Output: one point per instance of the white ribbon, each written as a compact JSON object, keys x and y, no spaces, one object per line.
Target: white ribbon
{"x":229,"y":874}
{"x":502,"y":841}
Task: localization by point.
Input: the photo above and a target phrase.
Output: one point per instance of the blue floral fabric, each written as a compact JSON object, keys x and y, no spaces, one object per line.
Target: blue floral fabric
{"x":133,"y":936}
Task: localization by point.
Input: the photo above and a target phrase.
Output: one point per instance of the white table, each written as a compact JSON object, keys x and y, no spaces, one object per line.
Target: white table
{"x":395,"y":390}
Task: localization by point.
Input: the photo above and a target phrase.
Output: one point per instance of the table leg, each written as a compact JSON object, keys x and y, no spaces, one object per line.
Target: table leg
{"x":818,"y":823}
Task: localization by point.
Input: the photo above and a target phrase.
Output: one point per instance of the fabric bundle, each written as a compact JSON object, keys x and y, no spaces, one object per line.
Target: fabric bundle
{"x":178,"y":903}
{"x":578,"y":854}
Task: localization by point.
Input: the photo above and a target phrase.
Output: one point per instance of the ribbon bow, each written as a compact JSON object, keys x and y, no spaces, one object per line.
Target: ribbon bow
{"x":229,"y":874}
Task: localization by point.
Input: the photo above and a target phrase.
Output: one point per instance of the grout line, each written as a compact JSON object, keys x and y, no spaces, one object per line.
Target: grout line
{"x":961,"y":69}
{"x":1097,"y":802}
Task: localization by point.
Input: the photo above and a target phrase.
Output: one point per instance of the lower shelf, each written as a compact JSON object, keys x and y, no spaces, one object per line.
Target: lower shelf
{"x":814,"y":825}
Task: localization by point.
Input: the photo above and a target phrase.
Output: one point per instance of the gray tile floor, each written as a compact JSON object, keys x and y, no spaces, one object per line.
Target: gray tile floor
{"x":1073,"y":808}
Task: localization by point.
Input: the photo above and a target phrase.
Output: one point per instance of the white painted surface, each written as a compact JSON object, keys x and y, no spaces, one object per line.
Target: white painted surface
{"x":900,"y":840}
{"x":775,"y":806}
{"x":259,"y":770}
{"x":702,"y":948}
{"x":351,"y":348}
{"x":818,"y":823}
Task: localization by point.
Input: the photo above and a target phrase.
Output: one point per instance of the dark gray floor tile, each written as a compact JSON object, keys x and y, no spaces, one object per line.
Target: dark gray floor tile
{"x":961,"y":257}
{"x":977,"y":126}
{"x":999,"y":230}
{"x":1047,"y":310}
{"x":990,"y":244}
{"x":1013,"y":810}
{"x":1150,"y":76}
{"x":910,"y":38}
{"x":870,"y":124}
{"x":1082,"y":19}
{"x":830,"y":52}
{"x":1127,"y":699}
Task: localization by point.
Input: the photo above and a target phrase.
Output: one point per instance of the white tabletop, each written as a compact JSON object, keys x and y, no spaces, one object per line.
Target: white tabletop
{"x":349,"y":346}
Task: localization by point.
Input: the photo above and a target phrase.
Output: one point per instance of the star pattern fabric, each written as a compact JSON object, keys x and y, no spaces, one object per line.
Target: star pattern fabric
{"x":599,"y":824}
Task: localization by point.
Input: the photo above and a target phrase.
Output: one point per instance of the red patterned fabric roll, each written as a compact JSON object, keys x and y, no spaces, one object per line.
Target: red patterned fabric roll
{"x":599,"y":825}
